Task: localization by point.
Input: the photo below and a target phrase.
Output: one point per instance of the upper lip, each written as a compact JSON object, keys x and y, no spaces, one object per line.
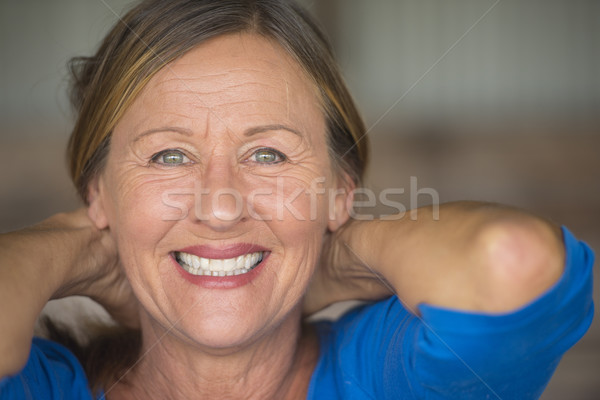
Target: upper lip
{"x":222,"y":253}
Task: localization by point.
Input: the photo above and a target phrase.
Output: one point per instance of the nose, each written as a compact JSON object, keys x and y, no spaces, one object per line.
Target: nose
{"x":219,"y":203}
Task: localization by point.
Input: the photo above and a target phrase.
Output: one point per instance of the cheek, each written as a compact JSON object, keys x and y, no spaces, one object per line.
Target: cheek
{"x":144,"y":206}
{"x":289,"y":197}
{"x":296,"y":211}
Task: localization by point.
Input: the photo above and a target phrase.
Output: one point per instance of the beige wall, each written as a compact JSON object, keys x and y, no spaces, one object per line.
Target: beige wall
{"x":534,"y":56}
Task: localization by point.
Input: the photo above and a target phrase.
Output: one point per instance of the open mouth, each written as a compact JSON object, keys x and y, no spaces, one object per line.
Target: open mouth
{"x":219,"y":267}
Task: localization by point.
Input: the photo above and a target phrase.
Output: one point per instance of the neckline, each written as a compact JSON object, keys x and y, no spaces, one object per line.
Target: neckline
{"x":322,"y":328}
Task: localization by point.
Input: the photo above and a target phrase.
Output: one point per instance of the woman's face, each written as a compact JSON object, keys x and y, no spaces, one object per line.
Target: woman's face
{"x":221,"y":162}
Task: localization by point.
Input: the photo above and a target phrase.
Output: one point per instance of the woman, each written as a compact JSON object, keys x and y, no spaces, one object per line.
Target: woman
{"x":216,"y":149}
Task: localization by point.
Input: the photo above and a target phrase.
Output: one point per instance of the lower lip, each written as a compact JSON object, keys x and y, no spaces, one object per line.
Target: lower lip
{"x":222,"y":282}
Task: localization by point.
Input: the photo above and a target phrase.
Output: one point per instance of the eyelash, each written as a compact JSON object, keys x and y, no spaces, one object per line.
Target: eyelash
{"x":282,"y":157}
{"x":155,"y":159}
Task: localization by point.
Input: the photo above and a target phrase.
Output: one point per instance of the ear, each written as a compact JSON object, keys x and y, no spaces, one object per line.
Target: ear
{"x":341,"y":205}
{"x":96,"y":208}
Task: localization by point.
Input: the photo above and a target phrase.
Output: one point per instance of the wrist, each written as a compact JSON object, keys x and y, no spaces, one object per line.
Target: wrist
{"x":362,"y":242}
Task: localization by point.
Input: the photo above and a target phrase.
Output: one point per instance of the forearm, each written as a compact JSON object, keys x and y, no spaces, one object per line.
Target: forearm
{"x":475,"y":256}
{"x":37,"y":264}
{"x":29,"y":277}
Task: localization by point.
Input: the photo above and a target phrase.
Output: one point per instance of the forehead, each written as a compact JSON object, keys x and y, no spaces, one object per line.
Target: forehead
{"x":237,"y":78}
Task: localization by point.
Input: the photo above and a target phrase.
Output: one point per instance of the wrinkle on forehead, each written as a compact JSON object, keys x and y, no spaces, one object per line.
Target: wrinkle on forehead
{"x":276,"y":65}
{"x":247,"y":80}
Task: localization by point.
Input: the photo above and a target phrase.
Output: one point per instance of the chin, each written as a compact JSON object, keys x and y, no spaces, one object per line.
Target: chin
{"x":216,"y":312}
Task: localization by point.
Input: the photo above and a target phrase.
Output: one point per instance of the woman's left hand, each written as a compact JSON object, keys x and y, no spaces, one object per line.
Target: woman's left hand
{"x":341,"y":275}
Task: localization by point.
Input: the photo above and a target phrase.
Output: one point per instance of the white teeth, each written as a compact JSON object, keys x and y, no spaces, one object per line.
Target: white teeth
{"x":195,"y":261}
{"x":230,"y":264}
{"x":204,"y":263}
{"x":218,"y":267}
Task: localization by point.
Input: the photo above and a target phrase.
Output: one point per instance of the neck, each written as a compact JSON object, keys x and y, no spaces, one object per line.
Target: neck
{"x":277,"y":366}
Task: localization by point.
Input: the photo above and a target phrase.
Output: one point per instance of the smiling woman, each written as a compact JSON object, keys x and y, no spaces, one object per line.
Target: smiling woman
{"x":217,"y":150}
{"x":249,"y":83}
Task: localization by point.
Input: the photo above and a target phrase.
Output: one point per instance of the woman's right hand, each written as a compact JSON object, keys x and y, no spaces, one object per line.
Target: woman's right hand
{"x":92,"y":264}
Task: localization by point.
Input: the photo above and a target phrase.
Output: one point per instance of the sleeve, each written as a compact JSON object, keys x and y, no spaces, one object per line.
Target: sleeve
{"x":52,"y":372}
{"x":509,"y":355}
{"x":385,"y":352}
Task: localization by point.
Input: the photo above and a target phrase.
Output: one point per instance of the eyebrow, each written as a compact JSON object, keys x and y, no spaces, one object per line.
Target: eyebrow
{"x":175,"y":129}
{"x":248,"y":132}
{"x":266,"y":128}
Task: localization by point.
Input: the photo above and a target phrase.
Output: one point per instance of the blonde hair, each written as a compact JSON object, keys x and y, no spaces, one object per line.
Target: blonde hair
{"x":154,"y":33}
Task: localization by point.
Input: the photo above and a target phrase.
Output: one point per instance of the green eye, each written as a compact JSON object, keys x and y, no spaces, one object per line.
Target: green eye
{"x":170,"y":157}
{"x":268,"y":156}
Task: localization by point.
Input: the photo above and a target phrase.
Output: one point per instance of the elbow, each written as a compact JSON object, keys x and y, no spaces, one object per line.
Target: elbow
{"x":522,"y":258}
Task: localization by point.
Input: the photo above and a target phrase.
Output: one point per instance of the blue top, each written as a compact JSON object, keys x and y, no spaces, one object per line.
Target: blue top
{"x":382,"y":351}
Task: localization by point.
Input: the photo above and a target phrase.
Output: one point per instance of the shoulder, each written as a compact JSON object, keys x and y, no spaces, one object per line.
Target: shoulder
{"x":51,"y":372}
{"x":355,"y":351}
{"x":381,"y":350}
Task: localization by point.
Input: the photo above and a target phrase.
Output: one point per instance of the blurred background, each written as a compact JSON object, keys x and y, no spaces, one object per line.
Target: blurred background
{"x":477,"y":99}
